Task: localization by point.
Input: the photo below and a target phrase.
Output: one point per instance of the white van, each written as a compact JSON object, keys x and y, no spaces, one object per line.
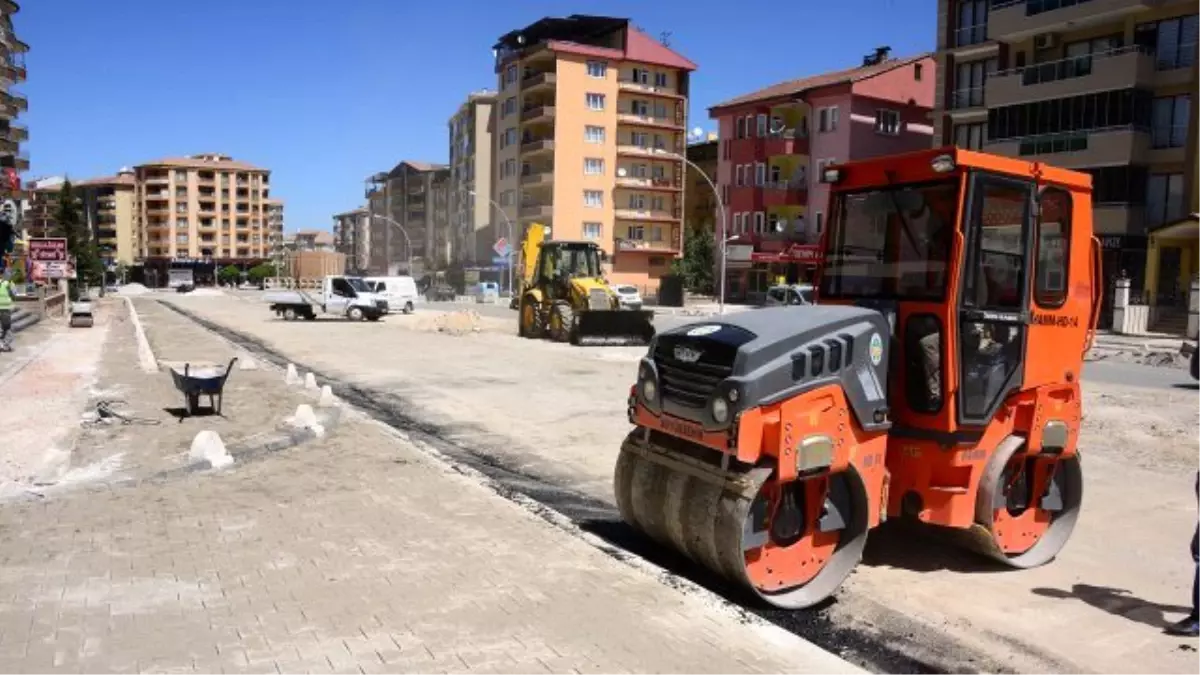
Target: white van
{"x":399,"y":292}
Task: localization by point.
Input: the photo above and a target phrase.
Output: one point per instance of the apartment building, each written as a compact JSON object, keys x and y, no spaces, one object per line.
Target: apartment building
{"x":775,"y":141}
{"x":106,"y":207}
{"x":1102,"y":86}
{"x":12,"y":102}
{"x":351,"y":237}
{"x":701,"y":202}
{"x":201,"y":212}
{"x":275,"y":242}
{"x":412,"y":237}
{"x":590,"y":132}
{"x":470,"y":188}
{"x":310,"y":240}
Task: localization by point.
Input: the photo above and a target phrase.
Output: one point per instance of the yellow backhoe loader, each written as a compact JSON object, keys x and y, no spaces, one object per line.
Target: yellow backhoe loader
{"x":564,"y":296}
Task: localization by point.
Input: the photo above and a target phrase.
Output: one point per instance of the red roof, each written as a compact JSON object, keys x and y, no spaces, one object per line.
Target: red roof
{"x":643,"y":48}
{"x":793,"y":88}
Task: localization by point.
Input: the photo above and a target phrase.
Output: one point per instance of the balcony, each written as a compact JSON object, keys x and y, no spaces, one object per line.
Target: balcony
{"x":156,"y":179}
{"x":13,"y":132}
{"x":541,"y":177}
{"x":645,"y":151}
{"x":1118,"y":219}
{"x":1116,"y":69}
{"x":542,"y":113}
{"x":663,"y":246}
{"x":970,"y":36}
{"x":647,"y":215}
{"x":537,"y":146}
{"x":1099,"y":147}
{"x":648,"y":121}
{"x":782,"y":142}
{"x":784,"y":193}
{"x":538,"y":81}
{"x":12,"y":67}
{"x":646,"y":183}
{"x":643,"y":88}
{"x":14,"y":102}
{"x":1012,"y":20}
{"x":538,"y":211}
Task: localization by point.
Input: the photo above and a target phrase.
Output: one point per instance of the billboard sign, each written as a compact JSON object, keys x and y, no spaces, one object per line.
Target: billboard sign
{"x":48,"y":250}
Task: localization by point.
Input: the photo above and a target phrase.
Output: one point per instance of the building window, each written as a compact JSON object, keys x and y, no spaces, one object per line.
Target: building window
{"x":593,"y":134}
{"x":509,"y":107}
{"x":635,"y":232}
{"x":970,"y":136}
{"x":660,"y":80}
{"x":739,"y":127}
{"x":760,"y":174}
{"x":1164,"y":198}
{"x":749,"y":126}
{"x":1173,"y":41}
{"x":595,"y":101}
{"x":593,"y":166}
{"x":1168,"y":128}
{"x":761,"y":125}
{"x":971,"y":22}
{"x":759,"y":221}
{"x":597,"y":69}
{"x":827,"y":119}
{"x":737,"y":223}
{"x":1101,"y":110}
{"x":592,"y":230}
{"x":1119,"y":184}
{"x":739,"y":175}
{"x":511,"y":136}
{"x":887,"y":122}
{"x":640,"y":76}
{"x":510,"y":75}
{"x":639,"y":107}
{"x":969,"y":80}
{"x":637,"y":202}
{"x":820,"y":220}
{"x":593,"y":198}
{"x":917,"y":72}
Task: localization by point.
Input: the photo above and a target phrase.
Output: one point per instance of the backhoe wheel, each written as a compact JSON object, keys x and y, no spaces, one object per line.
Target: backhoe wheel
{"x":562,"y":322}
{"x":528,"y":325}
{"x":790,"y":545}
{"x":355,"y":314}
{"x":1027,"y":506}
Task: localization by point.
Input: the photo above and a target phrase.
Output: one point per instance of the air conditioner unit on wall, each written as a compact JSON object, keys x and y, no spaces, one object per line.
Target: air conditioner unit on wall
{"x":1045,"y":41}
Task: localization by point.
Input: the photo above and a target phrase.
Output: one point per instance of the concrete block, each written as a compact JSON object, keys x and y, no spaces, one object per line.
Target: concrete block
{"x":292,"y":377}
{"x":310,"y":381}
{"x":208,"y":447}
{"x":247,"y":363}
{"x":306,"y":418}
{"x":327,"y":398}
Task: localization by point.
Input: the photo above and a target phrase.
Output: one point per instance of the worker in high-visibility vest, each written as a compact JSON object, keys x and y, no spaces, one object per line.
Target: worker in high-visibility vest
{"x":7,"y":300}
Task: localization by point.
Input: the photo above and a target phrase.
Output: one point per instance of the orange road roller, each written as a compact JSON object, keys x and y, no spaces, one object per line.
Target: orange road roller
{"x":937,"y":380}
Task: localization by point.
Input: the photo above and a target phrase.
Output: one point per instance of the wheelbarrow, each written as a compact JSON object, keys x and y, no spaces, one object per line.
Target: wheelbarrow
{"x":205,"y":381}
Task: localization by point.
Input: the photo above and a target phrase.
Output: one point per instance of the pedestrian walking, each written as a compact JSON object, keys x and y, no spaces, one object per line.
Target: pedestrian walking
{"x":7,"y":299}
{"x":1190,"y":625}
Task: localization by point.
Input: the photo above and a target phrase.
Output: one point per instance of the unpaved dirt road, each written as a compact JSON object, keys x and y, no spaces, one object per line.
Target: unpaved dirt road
{"x":546,"y":420}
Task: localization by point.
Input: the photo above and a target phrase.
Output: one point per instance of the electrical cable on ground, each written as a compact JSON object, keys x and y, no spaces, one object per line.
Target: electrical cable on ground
{"x":106,"y":411}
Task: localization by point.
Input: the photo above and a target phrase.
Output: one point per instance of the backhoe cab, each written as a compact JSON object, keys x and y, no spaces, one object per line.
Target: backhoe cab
{"x":566,"y":298}
{"x":936,"y":380}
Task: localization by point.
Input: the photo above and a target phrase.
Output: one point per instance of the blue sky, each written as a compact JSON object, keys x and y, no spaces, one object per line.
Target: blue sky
{"x":325,"y":93}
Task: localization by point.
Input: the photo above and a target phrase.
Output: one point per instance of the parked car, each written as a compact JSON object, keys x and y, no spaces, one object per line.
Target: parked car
{"x":793,"y":294}
{"x":440,"y":292}
{"x":628,"y":295}
{"x":1192,"y":350}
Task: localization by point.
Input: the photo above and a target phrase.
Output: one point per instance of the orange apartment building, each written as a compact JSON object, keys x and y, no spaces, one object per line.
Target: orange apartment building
{"x":202,"y":213}
{"x":590,"y":124}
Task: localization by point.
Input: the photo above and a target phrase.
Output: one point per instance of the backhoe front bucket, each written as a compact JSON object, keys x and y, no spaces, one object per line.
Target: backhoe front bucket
{"x":614,"y":327}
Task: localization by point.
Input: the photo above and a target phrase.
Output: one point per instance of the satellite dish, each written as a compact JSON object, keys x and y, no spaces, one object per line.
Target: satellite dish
{"x":697,"y":132}
{"x":621,"y":172}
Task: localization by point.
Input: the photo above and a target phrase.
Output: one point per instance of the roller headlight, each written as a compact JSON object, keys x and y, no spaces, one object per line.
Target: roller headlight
{"x":720,"y":410}
{"x":649,"y":390}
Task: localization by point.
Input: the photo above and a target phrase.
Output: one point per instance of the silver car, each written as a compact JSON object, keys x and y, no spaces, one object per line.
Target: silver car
{"x":794,"y":294}
{"x":628,"y":295}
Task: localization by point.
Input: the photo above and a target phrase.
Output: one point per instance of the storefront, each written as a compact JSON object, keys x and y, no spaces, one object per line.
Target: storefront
{"x":157,"y":272}
{"x":1171,"y":262}
{"x":752,"y":268}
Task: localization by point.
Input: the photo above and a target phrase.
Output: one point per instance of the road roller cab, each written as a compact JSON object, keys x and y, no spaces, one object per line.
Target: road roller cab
{"x":937,"y":380}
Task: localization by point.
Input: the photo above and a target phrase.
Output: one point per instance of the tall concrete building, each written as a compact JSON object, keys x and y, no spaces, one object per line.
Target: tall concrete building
{"x":12,"y":103}
{"x":412,"y":239}
{"x":701,"y":202}
{"x":352,"y":237}
{"x":590,"y":127}
{"x":775,"y":141}
{"x":275,"y":243}
{"x":201,"y":212}
{"x":1102,"y":86}
{"x":106,"y":206}
{"x":470,"y":190}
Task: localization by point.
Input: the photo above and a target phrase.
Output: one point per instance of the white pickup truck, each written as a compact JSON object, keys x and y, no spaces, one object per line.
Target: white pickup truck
{"x":339,"y":296}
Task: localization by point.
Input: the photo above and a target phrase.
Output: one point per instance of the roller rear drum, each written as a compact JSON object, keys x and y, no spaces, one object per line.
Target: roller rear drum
{"x":791,"y":545}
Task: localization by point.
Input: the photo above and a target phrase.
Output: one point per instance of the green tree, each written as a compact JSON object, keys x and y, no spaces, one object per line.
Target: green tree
{"x":696,"y":266}
{"x":262,"y":271}
{"x":88,"y":268}
{"x":230,"y":274}
{"x":18,"y":272}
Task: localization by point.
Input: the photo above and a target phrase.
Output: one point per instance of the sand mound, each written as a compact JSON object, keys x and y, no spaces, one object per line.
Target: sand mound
{"x":133,"y":289}
{"x":461,"y":322}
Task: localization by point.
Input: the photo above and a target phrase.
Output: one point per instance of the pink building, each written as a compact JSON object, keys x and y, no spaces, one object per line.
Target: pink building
{"x":775,"y":141}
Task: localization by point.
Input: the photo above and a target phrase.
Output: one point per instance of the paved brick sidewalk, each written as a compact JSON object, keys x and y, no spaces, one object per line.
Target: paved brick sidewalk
{"x":354,"y":553}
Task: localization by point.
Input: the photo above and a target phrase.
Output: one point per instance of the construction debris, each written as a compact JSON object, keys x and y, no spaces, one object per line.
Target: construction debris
{"x":460,"y":322}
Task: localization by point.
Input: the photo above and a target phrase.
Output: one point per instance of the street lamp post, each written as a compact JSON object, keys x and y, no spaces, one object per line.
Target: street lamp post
{"x":510,"y":240}
{"x":724,"y":238}
{"x":407,"y":241}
